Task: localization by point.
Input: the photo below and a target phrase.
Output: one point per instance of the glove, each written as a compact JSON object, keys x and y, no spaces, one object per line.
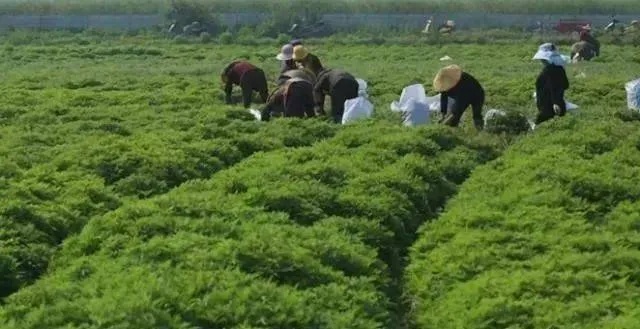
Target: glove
{"x":556,"y":108}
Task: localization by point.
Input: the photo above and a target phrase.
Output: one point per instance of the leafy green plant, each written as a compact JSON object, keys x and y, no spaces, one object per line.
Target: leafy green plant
{"x":543,"y":237}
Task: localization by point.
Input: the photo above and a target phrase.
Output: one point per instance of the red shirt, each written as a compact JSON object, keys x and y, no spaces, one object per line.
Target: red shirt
{"x":238,"y":69}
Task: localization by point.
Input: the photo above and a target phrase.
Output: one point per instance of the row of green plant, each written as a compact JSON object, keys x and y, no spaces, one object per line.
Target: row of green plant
{"x":544,"y":237}
{"x":306,"y":237}
{"x":256,"y":36}
{"x":606,"y":7}
{"x":136,"y":199}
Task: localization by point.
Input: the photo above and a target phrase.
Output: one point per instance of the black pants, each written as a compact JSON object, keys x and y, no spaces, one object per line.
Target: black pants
{"x":343,"y":90}
{"x":546,"y":112}
{"x":457,"y":110}
{"x":254,"y":80}
{"x":299,"y":100}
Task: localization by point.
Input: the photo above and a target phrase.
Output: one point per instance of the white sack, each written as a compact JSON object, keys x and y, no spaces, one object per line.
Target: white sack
{"x":413,"y":92}
{"x":357,"y":108}
{"x":256,"y":114}
{"x":415,"y":113}
{"x":633,"y":94}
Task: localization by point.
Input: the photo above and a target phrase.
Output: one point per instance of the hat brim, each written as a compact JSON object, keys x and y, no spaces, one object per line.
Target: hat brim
{"x":551,"y":57}
{"x":299,"y":58}
{"x":541,"y":54}
{"x":446,"y":79}
{"x":283,"y":57}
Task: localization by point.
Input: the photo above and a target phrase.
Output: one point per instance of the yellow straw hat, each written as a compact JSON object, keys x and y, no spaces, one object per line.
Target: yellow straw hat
{"x":447,"y":78}
{"x":299,"y":53}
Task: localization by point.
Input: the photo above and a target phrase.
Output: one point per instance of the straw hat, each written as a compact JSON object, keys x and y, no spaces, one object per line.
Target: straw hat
{"x":299,"y":53}
{"x":447,"y":78}
{"x":286,"y":53}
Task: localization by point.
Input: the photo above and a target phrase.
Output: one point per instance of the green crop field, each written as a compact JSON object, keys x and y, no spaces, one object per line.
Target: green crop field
{"x":132,"y":197}
{"x":607,"y":7}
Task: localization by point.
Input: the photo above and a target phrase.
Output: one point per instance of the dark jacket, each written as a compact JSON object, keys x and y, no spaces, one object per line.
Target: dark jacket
{"x":467,"y":92}
{"x":550,"y":87}
{"x":296,"y":73}
{"x":294,"y":98}
{"x":312,"y":62}
{"x":325,"y":83}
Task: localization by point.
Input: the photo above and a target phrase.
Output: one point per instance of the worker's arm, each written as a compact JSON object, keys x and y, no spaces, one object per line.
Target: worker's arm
{"x":444,"y":102}
{"x":318,"y":93}
{"x":316,"y":65}
{"x":559,"y":86}
{"x":228,"y":84}
{"x":228,"y":87}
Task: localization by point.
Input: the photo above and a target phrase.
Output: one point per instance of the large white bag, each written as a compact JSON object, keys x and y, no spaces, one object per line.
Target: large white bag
{"x":415,"y":113}
{"x":434,"y":103}
{"x":413,"y":92}
{"x":633,"y":94}
{"x":357,"y":108}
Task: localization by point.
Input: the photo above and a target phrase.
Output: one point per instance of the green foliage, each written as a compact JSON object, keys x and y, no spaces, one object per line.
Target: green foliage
{"x":134,"y":198}
{"x":512,"y":122}
{"x":299,"y":227}
{"x":544,"y":237}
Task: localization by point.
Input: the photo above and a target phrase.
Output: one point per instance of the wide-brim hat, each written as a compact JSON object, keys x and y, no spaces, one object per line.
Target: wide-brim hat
{"x":299,"y":53}
{"x":447,"y":78}
{"x":549,"y":52}
{"x":286,"y":53}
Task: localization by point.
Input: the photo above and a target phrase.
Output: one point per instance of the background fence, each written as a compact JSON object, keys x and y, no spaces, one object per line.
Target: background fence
{"x":339,"y":21}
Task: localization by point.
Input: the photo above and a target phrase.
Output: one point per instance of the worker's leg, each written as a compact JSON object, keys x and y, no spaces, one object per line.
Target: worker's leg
{"x":247,"y":92}
{"x":343,"y":90}
{"x":247,"y":82}
{"x":476,"y":108}
{"x":545,"y":112}
{"x":261,"y":85}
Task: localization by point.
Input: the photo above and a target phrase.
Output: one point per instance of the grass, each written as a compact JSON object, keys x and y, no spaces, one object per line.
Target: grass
{"x":606,"y":7}
{"x":135,"y":199}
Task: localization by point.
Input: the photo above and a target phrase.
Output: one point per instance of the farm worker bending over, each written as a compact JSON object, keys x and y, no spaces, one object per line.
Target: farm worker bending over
{"x":551,"y":84}
{"x":634,"y":26}
{"x":464,"y":90}
{"x":307,"y":60}
{"x":582,"y":50}
{"x":293,"y":98}
{"x":248,"y":77}
{"x":286,"y":57}
{"x":586,"y":36}
{"x":340,"y":85}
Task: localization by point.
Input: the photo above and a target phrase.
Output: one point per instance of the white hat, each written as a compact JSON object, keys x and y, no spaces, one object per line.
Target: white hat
{"x":286,"y":53}
{"x":548,"y":52}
